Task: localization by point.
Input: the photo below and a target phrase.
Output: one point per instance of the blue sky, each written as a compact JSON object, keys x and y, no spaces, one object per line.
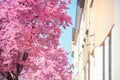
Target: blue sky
{"x":66,"y":37}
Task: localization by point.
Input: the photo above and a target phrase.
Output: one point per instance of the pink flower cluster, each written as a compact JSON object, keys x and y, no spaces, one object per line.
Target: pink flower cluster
{"x":29,"y":39}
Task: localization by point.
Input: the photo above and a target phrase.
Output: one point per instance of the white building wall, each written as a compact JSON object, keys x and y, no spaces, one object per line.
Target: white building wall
{"x":116,"y":43}
{"x":87,"y":71}
{"x":80,"y":42}
{"x":107,"y":58}
{"x":75,"y":62}
{"x":77,"y":47}
{"x":92,"y":68}
{"x":98,"y":54}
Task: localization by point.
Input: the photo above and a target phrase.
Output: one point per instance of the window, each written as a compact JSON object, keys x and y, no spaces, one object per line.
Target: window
{"x":72,"y":54}
{"x":103,"y":63}
{"x":110,"y":58}
{"x":107,"y":59}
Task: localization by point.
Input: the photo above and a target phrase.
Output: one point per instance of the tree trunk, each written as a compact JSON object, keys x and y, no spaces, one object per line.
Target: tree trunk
{"x":11,"y":76}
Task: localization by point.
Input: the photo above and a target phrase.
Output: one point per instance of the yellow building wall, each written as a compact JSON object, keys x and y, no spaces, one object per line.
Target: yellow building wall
{"x":104,"y":19}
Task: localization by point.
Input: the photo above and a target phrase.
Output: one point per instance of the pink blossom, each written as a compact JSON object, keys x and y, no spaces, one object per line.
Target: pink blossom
{"x":29,"y":38}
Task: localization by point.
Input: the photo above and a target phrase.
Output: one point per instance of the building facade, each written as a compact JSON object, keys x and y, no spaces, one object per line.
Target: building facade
{"x":96,"y":41}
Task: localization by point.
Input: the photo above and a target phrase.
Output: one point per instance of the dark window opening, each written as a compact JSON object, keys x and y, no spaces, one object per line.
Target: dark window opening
{"x":81,"y":3}
{"x":103,"y":63}
{"x":110,"y":58}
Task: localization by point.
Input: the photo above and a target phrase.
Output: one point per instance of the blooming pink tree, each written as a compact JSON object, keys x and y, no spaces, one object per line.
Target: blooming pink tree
{"x":27,"y":29}
{"x":49,"y":65}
